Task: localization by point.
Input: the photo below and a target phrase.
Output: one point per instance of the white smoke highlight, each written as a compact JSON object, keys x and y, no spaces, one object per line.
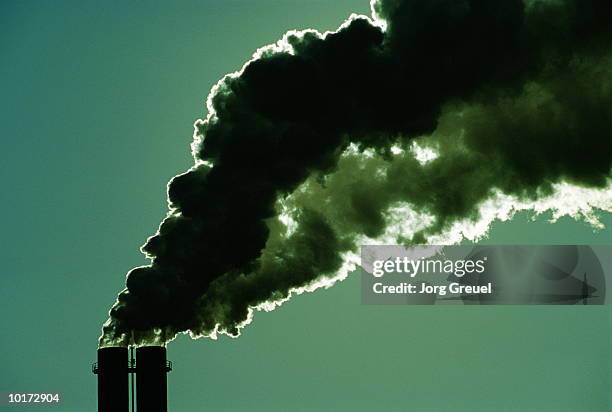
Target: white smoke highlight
{"x":579,"y":203}
{"x":423,"y":154}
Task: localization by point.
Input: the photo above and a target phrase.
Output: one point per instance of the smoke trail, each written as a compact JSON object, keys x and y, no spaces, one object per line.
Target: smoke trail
{"x":421,"y":124}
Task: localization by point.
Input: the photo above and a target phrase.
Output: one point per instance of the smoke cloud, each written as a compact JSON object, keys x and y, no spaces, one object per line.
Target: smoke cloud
{"x":422,"y":123}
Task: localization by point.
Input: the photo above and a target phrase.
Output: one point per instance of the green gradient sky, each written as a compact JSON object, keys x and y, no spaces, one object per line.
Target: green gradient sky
{"x":98,"y":101}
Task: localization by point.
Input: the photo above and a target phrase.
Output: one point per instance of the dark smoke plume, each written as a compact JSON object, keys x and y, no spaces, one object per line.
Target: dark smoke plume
{"x":311,"y":147}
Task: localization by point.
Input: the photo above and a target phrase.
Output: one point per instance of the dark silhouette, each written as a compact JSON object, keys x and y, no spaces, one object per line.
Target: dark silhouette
{"x":148,"y":371}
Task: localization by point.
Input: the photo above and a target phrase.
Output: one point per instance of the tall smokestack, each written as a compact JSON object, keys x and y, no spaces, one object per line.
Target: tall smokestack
{"x":112,"y":371}
{"x":151,"y":389}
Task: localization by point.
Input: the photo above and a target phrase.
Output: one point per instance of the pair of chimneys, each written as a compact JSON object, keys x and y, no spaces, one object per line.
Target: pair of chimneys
{"x":116,"y":377}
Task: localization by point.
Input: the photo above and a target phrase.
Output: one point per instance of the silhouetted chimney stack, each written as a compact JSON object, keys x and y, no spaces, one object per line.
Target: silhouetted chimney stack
{"x":116,"y":375}
{"x":112,"y":371}
{"x":151,"y":383}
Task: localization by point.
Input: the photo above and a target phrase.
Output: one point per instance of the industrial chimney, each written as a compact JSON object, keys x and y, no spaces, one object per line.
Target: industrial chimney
{"x":112,"y":371}
{"x":151,"y":384}
{"x":148,"y":371}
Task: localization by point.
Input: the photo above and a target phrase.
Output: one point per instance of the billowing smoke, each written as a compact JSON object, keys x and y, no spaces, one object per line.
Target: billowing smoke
{"x":421,"y":124}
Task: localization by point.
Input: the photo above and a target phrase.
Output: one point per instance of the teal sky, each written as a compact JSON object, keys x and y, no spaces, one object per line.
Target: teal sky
{"x":98,"y":102}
